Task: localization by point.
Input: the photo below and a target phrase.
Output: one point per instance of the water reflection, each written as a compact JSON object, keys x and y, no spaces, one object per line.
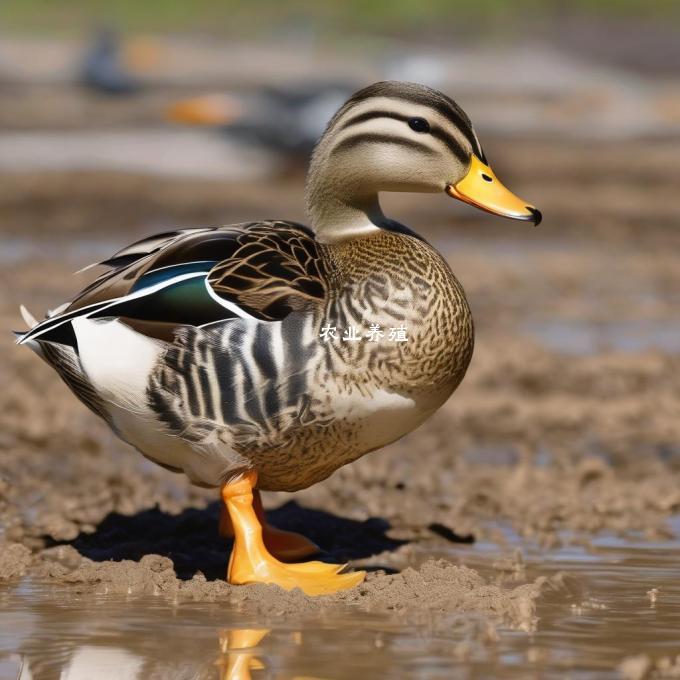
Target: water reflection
{"x":239,"y":653}
{"x":90,"y":661}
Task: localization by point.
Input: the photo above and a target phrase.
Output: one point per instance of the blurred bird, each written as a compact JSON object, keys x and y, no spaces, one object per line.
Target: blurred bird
{"x":112,"y":66}
{"x":286,"y":120}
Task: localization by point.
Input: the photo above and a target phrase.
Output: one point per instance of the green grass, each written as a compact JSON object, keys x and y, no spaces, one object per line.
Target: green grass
{"x":229,"y":17}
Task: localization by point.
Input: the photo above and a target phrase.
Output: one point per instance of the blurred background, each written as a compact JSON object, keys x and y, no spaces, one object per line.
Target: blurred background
{"x":175,"y":112}
{"x":121,"y":119}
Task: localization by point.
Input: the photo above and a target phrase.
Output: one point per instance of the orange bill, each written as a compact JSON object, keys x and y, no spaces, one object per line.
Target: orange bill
{"x":481,"y":188}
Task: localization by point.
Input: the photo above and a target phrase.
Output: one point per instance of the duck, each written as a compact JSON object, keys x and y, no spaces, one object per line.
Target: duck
{"x":263,"y":356}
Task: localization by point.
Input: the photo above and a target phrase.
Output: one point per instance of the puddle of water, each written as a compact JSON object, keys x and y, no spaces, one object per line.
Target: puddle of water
{"x":54,"y":632}
{"x":620,"y":613}
{"x":583,"y":337}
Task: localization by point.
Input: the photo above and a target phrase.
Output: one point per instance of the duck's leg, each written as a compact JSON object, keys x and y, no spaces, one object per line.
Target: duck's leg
{"x":286,"y":546}
{"x":251,"y":562}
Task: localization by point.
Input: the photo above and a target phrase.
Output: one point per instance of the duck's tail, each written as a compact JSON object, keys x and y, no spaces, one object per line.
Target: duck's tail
{"x":20,"y":336}
{"x":30,"y":321}
{"x":28,"y":318}
{"x":64,"y":360}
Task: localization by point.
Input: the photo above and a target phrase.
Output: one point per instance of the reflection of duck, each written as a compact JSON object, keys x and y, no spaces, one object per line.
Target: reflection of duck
{"x":84,"y":662}
{"x":239,"y":653}
{"x":266,"y":355}
{"x":113,"y":67}
{"x":103,"y":663}
{"x":285,"y":120}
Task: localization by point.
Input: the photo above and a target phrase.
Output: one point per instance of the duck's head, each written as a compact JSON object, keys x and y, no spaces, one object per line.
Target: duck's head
{"x":394,"y":136}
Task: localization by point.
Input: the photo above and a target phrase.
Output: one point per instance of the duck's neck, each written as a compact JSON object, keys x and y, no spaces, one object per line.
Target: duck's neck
{"x":339,"y":210}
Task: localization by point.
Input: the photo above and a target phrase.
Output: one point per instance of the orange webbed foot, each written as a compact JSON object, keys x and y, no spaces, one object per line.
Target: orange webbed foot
{"x":251,"y":561}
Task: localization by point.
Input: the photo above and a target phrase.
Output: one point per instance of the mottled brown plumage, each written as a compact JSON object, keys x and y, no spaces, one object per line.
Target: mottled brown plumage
{"x":388,"y":279}
{"x":402,"y":279}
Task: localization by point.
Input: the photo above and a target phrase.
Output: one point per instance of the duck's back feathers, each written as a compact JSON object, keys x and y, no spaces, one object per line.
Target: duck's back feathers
{"x":272,"y":271}
{"x":198,"y":277}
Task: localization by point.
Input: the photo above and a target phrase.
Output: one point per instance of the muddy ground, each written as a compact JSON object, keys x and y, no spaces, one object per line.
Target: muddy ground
{"x":565,"y":428}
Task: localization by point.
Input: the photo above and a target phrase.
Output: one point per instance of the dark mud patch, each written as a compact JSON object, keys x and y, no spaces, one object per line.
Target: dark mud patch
{"x":191,"y":542}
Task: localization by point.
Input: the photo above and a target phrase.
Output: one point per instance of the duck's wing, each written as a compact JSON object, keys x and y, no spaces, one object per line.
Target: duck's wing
{"x":199,"y":277}
{"x":275,"y":269}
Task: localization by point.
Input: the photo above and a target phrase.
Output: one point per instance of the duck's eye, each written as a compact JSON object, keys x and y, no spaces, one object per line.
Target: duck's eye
{"x":419,"y":125}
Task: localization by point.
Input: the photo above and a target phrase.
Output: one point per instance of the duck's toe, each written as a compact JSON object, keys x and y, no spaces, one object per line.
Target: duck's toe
{"x":317,"y":567}
{"x":288,"y":546}
{"x":313,"y":578}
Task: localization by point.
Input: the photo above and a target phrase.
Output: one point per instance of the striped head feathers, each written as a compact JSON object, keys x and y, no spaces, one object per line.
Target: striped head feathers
{"x":394,"y":136}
